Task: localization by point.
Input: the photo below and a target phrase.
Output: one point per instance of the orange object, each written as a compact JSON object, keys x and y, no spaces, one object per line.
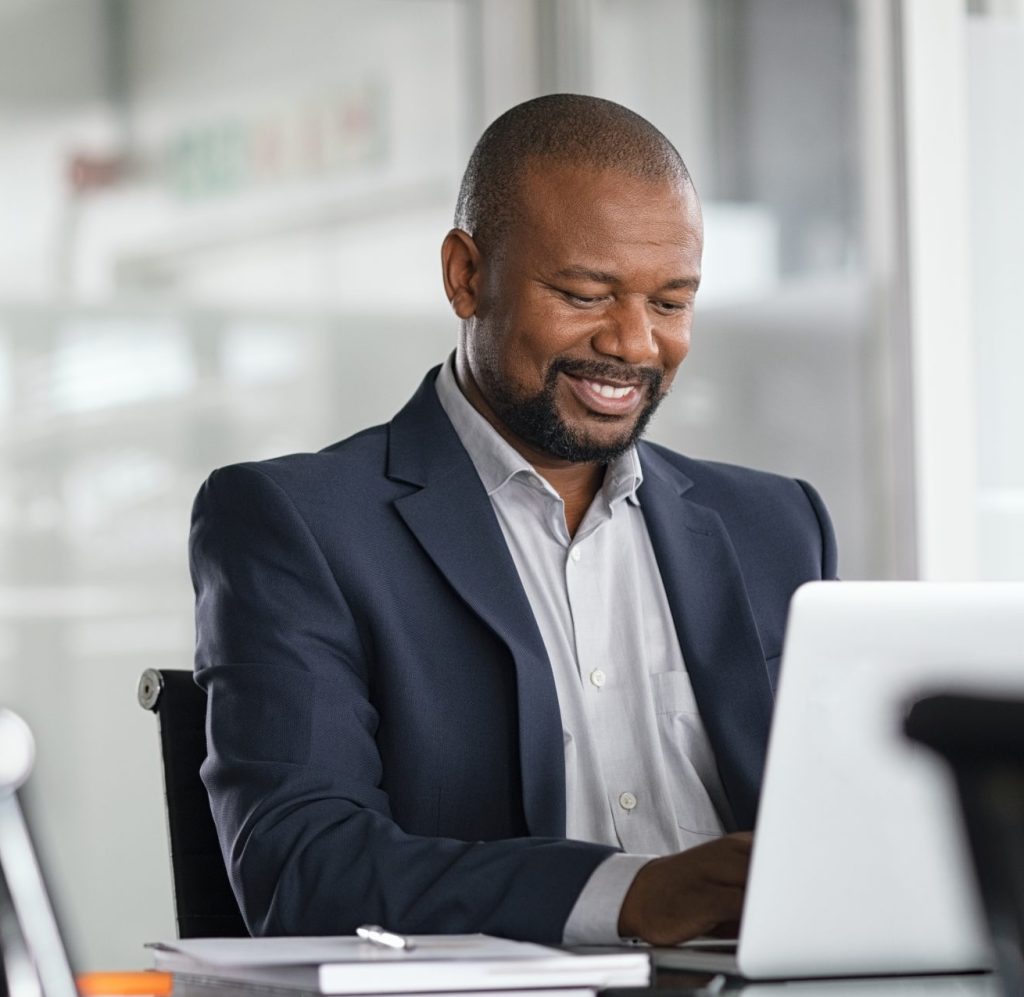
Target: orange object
{"x":125,"y":984}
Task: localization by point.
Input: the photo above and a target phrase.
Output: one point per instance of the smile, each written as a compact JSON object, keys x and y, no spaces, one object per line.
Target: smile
{"x":608,"y":391}
{"x":604,"y":398}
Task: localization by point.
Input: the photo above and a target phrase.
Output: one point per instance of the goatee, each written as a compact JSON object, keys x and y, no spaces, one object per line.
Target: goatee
{"x":535,"y":418}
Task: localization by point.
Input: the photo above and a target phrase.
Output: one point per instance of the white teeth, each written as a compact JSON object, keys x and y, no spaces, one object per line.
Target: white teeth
{"x":607,"y":391}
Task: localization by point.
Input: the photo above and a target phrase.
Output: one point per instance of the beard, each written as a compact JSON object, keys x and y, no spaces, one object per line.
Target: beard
{"x":535,"y":418}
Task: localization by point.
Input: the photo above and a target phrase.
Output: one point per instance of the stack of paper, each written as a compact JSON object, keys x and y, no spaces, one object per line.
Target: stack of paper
{"x":433,"y":964}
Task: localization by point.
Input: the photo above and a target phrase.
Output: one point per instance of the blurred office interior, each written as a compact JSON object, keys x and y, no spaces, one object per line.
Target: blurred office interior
{"x":219,"y":233}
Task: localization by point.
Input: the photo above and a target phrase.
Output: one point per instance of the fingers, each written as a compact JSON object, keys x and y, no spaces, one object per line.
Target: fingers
{"x":727,"y":929}
{"x":682,"y":896}
{"x":731,"y":862}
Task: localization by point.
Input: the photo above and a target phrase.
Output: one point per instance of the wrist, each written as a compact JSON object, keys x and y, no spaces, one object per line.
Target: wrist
{"x":632,"y":909}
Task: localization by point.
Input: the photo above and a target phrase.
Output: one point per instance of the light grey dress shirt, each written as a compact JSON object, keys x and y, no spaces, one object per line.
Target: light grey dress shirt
{"x":639,"y":770}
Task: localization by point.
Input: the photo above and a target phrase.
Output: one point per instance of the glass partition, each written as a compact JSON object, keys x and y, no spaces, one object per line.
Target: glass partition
{"x":223,"y":221}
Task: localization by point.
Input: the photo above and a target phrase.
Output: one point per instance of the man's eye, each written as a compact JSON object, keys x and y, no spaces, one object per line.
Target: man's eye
{"x":582,"y":300}
{"x":671,"y":307}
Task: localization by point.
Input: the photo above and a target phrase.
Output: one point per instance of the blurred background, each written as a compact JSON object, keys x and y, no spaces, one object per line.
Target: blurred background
{"x":220,"y":224}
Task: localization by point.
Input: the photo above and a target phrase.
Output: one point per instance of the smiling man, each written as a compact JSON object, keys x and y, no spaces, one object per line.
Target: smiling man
{"x":577,"y":316}
{"x":499,"y":665}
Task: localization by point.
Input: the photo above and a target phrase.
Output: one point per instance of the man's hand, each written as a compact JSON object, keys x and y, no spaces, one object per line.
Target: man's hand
{"x":682,"y":896}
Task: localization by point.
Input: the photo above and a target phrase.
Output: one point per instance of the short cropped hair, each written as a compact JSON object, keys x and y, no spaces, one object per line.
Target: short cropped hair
{"x":559,"y":128}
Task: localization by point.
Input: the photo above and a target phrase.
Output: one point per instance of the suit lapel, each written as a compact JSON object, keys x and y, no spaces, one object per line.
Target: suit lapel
{"x":451,"y":517}
{"x":716,"y":628}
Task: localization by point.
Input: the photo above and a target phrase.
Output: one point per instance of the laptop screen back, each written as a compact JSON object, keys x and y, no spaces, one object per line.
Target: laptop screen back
{"x":860,"y":864}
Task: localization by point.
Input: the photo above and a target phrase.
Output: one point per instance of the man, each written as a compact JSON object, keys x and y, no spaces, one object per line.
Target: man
{"x":473,"y":670}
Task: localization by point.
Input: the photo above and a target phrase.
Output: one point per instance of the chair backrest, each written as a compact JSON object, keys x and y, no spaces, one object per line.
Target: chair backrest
{"x":982,"y":739}
{"x":204,"y":902}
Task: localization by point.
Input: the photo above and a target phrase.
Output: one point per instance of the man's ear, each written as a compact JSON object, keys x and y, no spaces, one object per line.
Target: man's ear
{"x":460,"y":267}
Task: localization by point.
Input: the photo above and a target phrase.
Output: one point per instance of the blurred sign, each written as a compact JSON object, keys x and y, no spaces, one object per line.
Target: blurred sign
{"x":314,"y":137}
{"x":88,"y":172}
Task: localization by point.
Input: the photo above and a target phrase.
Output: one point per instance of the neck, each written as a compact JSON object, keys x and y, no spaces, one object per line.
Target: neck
{"x":577,"y":486}
{"x":576,"y":483}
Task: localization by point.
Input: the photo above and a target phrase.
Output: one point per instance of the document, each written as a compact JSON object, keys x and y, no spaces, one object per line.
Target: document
{"x":431,"y":964}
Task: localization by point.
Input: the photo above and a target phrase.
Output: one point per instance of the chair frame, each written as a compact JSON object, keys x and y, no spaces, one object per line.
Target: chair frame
{"x":204,"y":902}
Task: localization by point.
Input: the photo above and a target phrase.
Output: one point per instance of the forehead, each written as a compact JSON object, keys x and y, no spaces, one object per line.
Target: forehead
{"x":565,"y":209}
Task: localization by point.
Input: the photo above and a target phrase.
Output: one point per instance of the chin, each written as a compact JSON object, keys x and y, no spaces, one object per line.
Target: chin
{"x":607,"y":431}
{"x":581,"y":447}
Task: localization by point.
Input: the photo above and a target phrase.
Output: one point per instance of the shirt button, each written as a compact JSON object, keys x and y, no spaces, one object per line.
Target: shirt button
{"x":627,"y":801}
{"x":598,"y":678}
{"x":575,"y":554}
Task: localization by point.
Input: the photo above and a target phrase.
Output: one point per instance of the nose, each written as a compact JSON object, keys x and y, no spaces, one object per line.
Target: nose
{"x":628,"y":334}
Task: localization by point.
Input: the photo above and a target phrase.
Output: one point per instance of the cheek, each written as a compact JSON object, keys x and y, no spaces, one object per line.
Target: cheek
{"x":542,"y":332}
{"x":674,"y":350}
{"x":515,"y":353}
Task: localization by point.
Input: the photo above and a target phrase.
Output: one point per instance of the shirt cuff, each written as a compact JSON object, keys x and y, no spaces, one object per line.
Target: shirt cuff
{"x":594,"y":920}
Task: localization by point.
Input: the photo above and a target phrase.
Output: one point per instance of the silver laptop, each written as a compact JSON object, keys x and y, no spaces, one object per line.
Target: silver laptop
{"x":860,"y":865}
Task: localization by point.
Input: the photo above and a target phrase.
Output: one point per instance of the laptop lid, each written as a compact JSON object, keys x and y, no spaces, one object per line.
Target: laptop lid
{"x":860,"y":864}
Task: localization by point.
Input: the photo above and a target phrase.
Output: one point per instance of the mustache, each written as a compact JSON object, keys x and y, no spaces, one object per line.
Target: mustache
{"x":605,"y":370}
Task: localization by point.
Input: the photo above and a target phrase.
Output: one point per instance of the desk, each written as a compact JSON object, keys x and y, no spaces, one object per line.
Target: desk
{"x":671,"y":983}
{"x":690,"y":985}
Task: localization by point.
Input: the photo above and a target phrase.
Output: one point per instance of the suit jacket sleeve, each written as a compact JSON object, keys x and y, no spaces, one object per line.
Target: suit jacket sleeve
{"x":829,"y":556}
{"x":293,"y":770}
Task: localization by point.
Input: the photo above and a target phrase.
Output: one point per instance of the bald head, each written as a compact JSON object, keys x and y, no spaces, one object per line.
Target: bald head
{"x":563,"y":129}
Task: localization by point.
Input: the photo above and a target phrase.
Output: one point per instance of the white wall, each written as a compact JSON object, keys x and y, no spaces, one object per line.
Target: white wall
{"x":995,"y":63}
{"x":939,"y":276}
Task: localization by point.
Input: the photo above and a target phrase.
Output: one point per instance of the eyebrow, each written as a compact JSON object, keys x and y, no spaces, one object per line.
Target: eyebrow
{"x":602,"y":277}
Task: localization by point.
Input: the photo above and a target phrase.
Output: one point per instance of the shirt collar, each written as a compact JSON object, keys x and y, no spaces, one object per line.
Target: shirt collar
{"x":497,"y":461}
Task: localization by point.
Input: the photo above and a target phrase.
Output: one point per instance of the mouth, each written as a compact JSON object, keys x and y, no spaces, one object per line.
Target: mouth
{"x":604,"y":397}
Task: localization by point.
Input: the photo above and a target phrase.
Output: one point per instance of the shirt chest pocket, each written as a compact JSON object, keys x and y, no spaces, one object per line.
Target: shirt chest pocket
{"x":690,"y":763}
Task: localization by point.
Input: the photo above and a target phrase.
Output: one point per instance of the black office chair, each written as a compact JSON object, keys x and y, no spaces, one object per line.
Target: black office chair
{"x":983,"y":742}
{"x":203,"y":900}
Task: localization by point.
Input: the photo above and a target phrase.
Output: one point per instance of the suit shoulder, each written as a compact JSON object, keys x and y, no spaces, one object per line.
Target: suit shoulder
{"x":356,"y":458}
{"x":756,"y":505}
{"x":716,"y":475}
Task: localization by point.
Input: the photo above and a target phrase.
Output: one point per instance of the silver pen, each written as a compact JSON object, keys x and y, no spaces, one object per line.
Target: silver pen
{"x":376,"y":935}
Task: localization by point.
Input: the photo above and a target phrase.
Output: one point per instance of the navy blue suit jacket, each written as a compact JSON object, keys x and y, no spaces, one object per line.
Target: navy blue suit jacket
{"x":384,"y":735}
